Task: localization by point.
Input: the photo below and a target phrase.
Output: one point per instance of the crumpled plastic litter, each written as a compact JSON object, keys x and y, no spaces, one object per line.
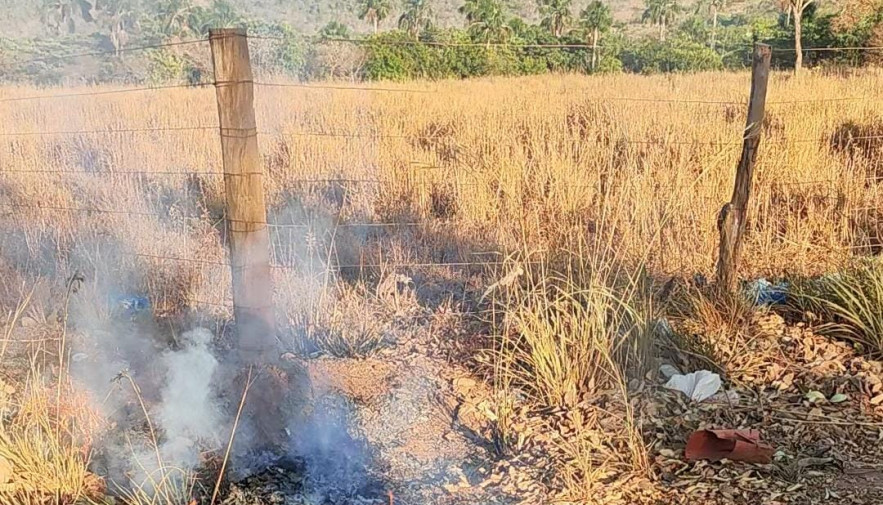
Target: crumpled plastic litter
{"x":133,"y":304}
{"x":698,"y":386}
{"x":762,"y":292}
{"x":669,"y":371}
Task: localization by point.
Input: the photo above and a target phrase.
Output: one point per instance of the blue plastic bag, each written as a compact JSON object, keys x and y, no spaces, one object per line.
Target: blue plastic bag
{"x":132,"y":304}
{"x":763,"y":292}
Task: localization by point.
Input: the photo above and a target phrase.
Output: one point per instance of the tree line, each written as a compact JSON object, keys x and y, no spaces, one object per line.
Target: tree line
{"x":491,"y":40}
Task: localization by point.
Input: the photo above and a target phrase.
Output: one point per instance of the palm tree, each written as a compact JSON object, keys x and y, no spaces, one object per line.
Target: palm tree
{"x":594,"y":20}
{"x":58,"y":13}
{"x":174,"y":16}
{"x":486,"y":20}
{"x":334,"y":30}
{"x":795,"y":9}
{"x":374,"y":11}
{"x":714,"y":7}
{"x":661,"y":13}
{"x":221,"y":14}
{"x":556,"y":15}
{"x":118,"y":17}
{"x":416,"y":17}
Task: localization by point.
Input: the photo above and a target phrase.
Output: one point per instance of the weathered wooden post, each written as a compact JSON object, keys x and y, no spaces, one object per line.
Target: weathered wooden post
{"x":732,"y":219}
{"x":246,"y":210}
{"x":248,"y":237}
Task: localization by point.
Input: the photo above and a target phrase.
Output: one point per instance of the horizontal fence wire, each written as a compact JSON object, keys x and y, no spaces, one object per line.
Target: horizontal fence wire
{"x":824,"y":100}
{"x":113,"y":52}
{"x":380,"y":136}
{"x":408,"y":264}
{"x":430,"y":43}
{"x":826,"y":49}
{"x":176,"y":259}
{"x":415,"y":264}
{"x":336,"y":87}
{"x":105,"y":92}
{"x":393,"y":43}
{"x":407,"y":224}
{"x":367,"y":182}
{"x":118,"y":173}
{"x":843,"y":138}
{"x":112,"y":131}
{"x":88,"y":210}
{"x":228,"y":304}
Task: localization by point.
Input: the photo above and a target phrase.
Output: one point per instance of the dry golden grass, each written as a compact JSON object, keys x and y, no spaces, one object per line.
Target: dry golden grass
{"x":541,"y":166}
{"x":47,"y":439}
{"x":48,"y":445}
{"x":533,"y":163}
{"x":569,"y":337}
{"x":494,"y":164}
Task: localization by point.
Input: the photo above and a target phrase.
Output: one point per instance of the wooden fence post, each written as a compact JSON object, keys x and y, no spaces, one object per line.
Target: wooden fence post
{"x":246,"y":210}
{"x":731,"y":221}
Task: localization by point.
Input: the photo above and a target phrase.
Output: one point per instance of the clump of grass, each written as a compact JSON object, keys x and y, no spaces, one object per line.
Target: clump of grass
{"x":565,"y":338}
{"x":850,"y":301}
{"x":347,"y":326}
{"x":346,"y":320}
{"x":161,"y":483}
{"x":12,"y":320}
{"x":48,"y":444}
{"x":713,"y":327}
{"x":563,"y":342}
{"x":164,"y":486}
{"x":48,"y":441}
{"x":49,"y":454}
{"x":564,"y":335}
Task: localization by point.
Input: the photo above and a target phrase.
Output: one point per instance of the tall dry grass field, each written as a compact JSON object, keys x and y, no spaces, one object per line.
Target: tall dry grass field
{"x":613,"y":173}
{"x":466,"y":169}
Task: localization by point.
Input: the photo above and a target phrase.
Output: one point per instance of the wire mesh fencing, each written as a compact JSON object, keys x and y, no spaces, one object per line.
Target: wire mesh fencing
{"x":86,"y":178}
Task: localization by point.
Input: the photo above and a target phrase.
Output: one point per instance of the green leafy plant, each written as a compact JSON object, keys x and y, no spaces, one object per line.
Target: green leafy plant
{"x":677,"y":55}
{"x":416,"y":18}
{"x":486,"y":21}
{"x":661,"y":13}
{"x":557,"y":16}
{"x":850,"y":302}
{"x":374,"y":11}
{"x":595,"y":20}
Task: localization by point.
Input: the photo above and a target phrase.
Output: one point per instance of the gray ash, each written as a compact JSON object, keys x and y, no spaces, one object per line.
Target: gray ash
{"x":287,"y":482}
{"x":326,"y":462}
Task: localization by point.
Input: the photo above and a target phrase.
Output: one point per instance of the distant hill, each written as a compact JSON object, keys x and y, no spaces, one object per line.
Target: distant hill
{"x":22,"y":18}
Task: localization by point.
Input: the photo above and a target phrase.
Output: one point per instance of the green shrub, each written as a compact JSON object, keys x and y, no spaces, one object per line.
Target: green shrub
{"x":165,"y":66}
{"x":677,"y":55}
{"x":392,"y":56}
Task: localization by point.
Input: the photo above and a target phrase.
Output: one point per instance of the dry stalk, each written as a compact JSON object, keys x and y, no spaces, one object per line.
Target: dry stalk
{"x":248,"y":383}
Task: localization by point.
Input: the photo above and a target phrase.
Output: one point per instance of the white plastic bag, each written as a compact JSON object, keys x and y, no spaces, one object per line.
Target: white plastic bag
{"x":697,"y":386}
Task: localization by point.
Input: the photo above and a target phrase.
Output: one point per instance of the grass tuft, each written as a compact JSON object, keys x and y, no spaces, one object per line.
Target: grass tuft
{"x":49,"y":455}
{"x":570,"y":338}
{"x":850,"y":300}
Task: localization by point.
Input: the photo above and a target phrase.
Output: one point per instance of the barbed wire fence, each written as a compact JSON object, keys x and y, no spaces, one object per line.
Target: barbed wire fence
{"x":284,"y":233}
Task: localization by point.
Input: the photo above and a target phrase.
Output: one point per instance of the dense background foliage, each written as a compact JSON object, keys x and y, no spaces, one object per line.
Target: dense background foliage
{"x":413,"y":40}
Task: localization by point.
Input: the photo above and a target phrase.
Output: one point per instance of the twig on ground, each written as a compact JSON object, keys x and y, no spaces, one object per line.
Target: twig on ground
{"x":248,"y":382}
{"x":789,"y":416}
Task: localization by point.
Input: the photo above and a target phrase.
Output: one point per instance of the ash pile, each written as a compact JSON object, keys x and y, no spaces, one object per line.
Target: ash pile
{"x":287,"y":483}
{"x":324,"y":464}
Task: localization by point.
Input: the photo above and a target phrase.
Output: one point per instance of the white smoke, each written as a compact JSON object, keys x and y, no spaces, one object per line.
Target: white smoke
{"x":189,"y":411}
{"x":180,"y":392}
